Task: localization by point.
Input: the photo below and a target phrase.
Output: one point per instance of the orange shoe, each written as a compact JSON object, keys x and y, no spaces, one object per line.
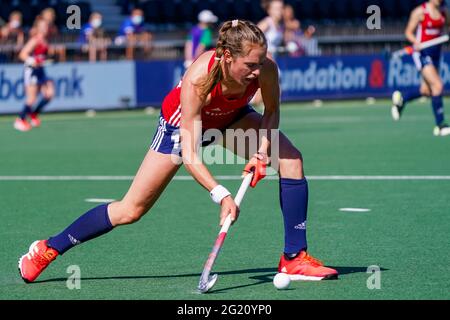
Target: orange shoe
{"x":22,"y":125}
{"x":35,"y":121}
{"x":36,"y":260}
{"x":305,"y":267}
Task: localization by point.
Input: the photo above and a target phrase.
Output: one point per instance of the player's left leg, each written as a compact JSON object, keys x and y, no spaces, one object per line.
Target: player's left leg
{"x":48,"y":92}
{"x":293,"y":190}
{"x":434,"y":81}
{"x":401,"y":98}
{"x":31,"y":92}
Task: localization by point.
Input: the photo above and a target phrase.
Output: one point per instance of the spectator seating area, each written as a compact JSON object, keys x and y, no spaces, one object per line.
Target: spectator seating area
{"x":340,"y":24}
{"x":309,"y":11}
{"x":31,"y":8}
{"x":184,"y":12}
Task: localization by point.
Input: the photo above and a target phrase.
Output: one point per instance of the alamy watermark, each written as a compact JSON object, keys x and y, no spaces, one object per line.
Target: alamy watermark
{"x":74,"y":19}
{"x":241,"y":143}
{"x":374,"y":20}
{"x":74,"y":280}
{"x":374,"y":280}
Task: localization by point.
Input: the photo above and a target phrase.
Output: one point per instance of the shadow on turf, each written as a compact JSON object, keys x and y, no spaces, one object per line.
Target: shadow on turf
{"x":243,"y":271}
{"x":264,"y":278}
{"x":261,"y":278}
{"x":348,"y":270}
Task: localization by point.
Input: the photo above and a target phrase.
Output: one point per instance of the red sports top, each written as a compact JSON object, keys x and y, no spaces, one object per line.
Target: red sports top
{"x":40,"y":52}
{"x":430,"y":28}
{"x":219,"y":113}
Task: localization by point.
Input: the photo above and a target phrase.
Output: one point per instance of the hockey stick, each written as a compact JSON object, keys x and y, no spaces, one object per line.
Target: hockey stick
{"x":207,"y":281}
{"x":427,"y":44}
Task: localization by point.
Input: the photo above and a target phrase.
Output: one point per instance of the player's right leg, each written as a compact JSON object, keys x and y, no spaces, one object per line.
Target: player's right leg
{"x":21,"y":123}
{"x":155,"y":173}
{"x":293,"y":195}
{"x":432,"y":78}
{"x":48,"y":92}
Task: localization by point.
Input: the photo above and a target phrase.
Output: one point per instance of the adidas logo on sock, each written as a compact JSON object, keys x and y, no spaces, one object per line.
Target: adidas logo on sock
{"x":301,"y":226}
{"x":73,"y":240}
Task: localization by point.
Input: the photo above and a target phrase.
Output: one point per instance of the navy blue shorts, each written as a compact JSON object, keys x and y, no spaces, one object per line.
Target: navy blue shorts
{"x":167,"y":137}
{"x":427,"y":56}
{"x":34,"y":76}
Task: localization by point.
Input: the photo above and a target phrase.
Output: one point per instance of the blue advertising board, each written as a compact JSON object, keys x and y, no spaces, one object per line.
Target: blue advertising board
{"x":119,"y":84}
{"x":78,"y":86}
{"x":307,"y":78}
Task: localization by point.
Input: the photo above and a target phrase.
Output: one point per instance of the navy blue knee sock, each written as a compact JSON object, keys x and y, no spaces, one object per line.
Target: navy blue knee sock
{"x":411,"y":95}
{"x":25,"y":111}
{"x":438,"y":109}
{"x":41,"y":105}
{"x":90,"y":225}
{"x":294,"y":205}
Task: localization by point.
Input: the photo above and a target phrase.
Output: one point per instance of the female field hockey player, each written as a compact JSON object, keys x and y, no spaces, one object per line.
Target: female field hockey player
{"x":426,"y":22}
{"x":214,"y":94}
{"x":34,"y":54}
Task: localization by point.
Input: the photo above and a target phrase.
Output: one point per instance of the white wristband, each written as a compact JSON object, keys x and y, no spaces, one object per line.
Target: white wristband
{"x":218,"y":193}
{"x":30,"y":61}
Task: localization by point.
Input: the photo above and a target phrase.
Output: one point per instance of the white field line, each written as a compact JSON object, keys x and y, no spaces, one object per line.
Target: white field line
{"x":98,"y":200}
{"x":354,"y":209}
{"x":225,"y":177}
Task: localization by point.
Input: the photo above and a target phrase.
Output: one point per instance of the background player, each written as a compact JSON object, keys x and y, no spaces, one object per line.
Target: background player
{"x":426,"y":22}
{"x":34,"y":54}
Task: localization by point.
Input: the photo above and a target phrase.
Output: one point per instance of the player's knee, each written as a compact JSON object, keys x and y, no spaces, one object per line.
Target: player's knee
{"x":437,"y":88}
{"x":49,"y":95}
{"x":425,"y":91}
{"x":127,"y":214}
{"x":291,"y":159}
{"x":30,"y":101}
{"x":134,"y":214}
{"x":291,"y":153}
{"x":294,"y":163}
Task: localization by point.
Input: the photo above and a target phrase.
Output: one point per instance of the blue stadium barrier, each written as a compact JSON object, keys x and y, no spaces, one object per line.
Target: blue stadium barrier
{"x":125,"y":84}
{"x":78,"y":86}
{"x":306,"y":78}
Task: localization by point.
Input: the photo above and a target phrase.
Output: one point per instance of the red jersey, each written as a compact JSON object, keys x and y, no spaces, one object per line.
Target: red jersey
{"x":218,"y":114}
{"x":40,"y":52}
{"x":430,"y":28}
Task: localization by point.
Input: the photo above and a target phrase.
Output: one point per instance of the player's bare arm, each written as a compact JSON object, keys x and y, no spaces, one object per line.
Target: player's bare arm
{"x":270,"y":91}
{"x":26,"y":51}
{"x":190,"y":124}
{"x":414,"y":20}
{"x":190,"y":132}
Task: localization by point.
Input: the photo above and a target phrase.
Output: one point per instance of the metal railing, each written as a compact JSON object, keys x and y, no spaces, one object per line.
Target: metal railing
{"x":160,"y":49}
{"x":174,"y":48}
